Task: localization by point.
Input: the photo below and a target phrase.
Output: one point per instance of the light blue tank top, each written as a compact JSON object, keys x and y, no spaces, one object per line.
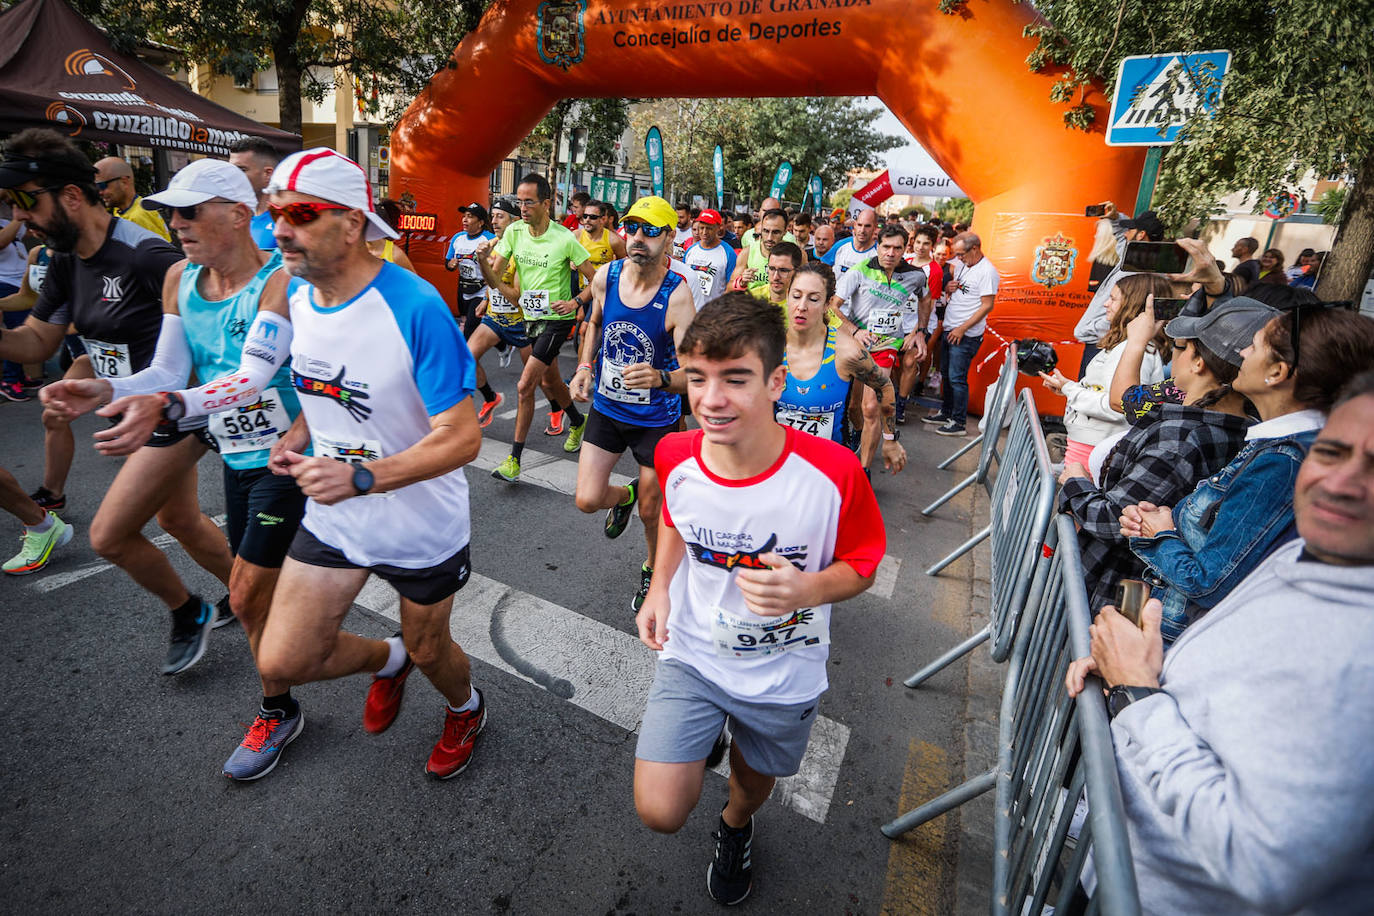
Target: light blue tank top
{"x":215,"y":332}
{"x":816,"y":405}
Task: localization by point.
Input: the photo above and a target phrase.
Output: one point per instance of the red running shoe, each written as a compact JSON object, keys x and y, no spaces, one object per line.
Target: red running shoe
{"x":384,"y":699}
{"x":485,"y":415}
{"x":558,"y":424}
{"x":453,"y":753}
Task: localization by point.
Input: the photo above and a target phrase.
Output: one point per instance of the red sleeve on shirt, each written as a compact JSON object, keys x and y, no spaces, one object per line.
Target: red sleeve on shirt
{"x":672,"y":450}
{"x":936,"y":276}
{"x":860,"y":536}
{"x":570,"y":221}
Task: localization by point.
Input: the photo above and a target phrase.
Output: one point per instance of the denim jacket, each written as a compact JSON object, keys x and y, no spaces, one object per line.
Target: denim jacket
{"x":1224,"y":528}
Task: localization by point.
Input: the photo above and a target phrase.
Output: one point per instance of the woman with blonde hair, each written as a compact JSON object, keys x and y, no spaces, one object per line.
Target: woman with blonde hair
{"x":1092,"y":415}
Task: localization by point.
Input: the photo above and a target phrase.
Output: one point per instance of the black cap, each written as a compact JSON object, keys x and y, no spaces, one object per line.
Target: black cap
{"x":478,"y":211}
{"x":1147,"y":222}
{"x":505,"y":205}
{"x":14,"y":171}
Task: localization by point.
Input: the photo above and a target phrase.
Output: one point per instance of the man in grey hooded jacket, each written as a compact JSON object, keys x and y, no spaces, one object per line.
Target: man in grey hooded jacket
{"x":1245,"y":755}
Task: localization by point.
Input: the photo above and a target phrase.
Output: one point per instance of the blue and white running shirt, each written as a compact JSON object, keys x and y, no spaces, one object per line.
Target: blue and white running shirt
{"x":369,"y":374}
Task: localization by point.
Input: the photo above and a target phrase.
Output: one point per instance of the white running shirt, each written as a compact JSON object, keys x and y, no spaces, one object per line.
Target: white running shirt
{"x":369,"y":374}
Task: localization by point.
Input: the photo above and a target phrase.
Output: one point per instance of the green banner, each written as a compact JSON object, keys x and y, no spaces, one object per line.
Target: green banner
{"x":598,"y":188}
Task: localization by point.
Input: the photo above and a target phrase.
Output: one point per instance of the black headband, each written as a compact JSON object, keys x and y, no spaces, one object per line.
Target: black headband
{"x":18,"y":169}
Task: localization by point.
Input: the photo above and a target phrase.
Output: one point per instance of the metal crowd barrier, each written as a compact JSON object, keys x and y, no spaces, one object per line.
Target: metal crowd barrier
{"x":1004,"y":392}
{"x":1051,"y":750}
{"x":1019,"y":516}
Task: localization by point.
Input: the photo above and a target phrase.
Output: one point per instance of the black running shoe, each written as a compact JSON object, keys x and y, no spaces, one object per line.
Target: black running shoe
{"x":190,"y":635}
{"x":730,"y":877}
{"x":617,"y":517}
{"x":224,"y":615}
{"x":646,"y":576}
{"x":47,"y":501}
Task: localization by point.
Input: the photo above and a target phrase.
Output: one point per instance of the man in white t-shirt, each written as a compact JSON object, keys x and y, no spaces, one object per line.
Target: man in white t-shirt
{"x":971,"y":295}
{"x":763,"y":528}
{"x":859,"y":247}
{"x":385,"y":384}
{"x":712,"y":262}
{"x":682,"y":233}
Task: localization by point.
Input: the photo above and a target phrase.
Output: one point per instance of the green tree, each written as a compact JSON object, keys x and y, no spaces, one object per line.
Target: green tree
{"x":605,"y":121}
{"x":392,"y":48}
{"x":1330,"y":205}
{"x":955,"y":209}
{"x":821,"y":136}
{"x":1299,"y":96}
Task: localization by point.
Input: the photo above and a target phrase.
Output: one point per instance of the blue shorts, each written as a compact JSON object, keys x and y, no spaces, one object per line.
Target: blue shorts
{"x":685,"y":713}
{"x":512,"y":336}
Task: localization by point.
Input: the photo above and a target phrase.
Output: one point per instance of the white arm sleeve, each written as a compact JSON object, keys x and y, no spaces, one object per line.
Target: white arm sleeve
{"x":265,"y":350}
{"x":170,"y":368}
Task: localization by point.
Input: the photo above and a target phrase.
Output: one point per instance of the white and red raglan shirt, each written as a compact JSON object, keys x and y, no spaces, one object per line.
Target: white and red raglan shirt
{"x":814,"y":506}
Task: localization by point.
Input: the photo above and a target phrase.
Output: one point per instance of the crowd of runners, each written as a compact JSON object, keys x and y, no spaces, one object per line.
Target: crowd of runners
{"x":753,"y":365}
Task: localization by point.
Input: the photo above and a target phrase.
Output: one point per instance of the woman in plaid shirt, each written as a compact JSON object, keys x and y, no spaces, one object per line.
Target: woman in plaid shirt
{"x":1164,"y":456}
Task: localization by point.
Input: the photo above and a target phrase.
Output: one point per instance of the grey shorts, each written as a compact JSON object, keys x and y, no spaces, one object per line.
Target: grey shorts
{"x":686,"y":711}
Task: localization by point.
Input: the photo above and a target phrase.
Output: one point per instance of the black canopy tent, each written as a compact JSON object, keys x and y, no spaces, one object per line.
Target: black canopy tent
{"x":58,"y":70}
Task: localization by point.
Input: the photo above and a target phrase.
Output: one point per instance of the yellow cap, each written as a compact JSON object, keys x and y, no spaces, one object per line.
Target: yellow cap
{"x":653,"y":210}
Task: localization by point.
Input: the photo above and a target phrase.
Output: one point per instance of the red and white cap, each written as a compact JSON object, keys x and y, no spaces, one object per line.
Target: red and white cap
{"x":330,"y":176}
{"x":710,"y":218}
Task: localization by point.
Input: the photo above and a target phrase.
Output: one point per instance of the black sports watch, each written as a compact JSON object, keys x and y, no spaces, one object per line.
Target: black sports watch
{"x":665,"y":378}
{"x":362,"y":479}
{"x":1121,"y":696}
{"x":173,"y":407}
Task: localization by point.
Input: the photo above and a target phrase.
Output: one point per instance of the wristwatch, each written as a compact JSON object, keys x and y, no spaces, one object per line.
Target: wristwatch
{"x":362,"y":480}
{"x":1121,"y":696}
{"x":665,"y":377}
{"x":173,"y":407}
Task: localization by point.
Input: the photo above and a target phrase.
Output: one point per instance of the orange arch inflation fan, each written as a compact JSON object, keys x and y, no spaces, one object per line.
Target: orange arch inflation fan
{"x":958,"y":82}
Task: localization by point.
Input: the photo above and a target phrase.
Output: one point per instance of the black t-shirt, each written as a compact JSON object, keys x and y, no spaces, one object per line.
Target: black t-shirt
{"x":1249,"y":271}
{"x":113,"y":297}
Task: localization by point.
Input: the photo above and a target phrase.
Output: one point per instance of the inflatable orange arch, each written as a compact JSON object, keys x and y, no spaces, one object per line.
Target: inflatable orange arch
{"x":958,"y":82}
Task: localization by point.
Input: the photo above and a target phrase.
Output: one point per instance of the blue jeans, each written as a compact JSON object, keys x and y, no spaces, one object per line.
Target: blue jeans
{"x":955,"y":359}
{"x":13,"y":372}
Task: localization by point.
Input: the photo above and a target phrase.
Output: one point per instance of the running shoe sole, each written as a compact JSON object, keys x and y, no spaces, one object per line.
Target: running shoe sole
{"x":947,"y":431}
{"x":276,"y":758}
{"x":935,"y":419}
{"x":481,"y":726}
{"x":736,"y":901}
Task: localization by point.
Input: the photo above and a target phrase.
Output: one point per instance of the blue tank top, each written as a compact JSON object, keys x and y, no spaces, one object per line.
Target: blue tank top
{"x":215,"y":332}
{"x":815,"y":405}
{"x":630,"y":336}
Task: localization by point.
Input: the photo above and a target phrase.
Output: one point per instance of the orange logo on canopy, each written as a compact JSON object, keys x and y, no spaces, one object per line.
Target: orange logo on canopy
{"x":959,"y":83}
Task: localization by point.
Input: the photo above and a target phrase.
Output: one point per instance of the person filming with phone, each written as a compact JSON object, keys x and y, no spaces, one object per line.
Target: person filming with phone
{"x":1243,"y":753}
{"x":1095,"y":321}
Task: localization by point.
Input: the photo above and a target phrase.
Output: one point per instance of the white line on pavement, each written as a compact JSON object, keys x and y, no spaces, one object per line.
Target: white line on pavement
{"x":886,"y":579}
{"x":539,"y":468}
{"x":59,"y":580}
{"x":596,"y":667}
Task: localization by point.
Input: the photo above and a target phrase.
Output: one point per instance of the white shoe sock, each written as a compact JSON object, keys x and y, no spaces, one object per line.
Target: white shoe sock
{"x":44,"y":525}
{"x":473,"y":699}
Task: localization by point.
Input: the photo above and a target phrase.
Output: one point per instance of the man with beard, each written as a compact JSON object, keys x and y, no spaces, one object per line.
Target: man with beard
{"x":640,"y":310}
{"x":106,"y":278}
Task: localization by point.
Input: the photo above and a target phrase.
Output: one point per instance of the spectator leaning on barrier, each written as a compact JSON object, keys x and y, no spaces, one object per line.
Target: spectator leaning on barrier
{"x":1092,"y":415}
{"x":1164,"y":456}
{"x":1244,"y":754}
{"x":1236,"y":517}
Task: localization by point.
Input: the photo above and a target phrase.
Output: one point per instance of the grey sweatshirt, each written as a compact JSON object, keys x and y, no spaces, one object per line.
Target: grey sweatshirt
{"x":1249,"y":783}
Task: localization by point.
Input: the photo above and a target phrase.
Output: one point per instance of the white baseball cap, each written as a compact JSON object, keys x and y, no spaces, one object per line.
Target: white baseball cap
{"x":206,"y":179}
{"x":326,"y":174}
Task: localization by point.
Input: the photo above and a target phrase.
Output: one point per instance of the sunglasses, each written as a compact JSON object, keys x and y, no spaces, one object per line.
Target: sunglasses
{"x":588,"y":216}
{"x":650,"y":232}
{"x":187,"y":213}
{"x":1295,"y":325}
{"x":102,"y":185}
{"x":300,"y":214}
{"x":27,"y":200}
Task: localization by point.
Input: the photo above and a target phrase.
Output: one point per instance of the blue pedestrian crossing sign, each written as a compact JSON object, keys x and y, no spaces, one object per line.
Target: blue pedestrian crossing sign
{"x":1156,"y":95}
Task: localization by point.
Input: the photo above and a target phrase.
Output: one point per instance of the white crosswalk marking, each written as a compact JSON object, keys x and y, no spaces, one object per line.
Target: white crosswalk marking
{"x":596,"y":667}
{"x":539,"y":468}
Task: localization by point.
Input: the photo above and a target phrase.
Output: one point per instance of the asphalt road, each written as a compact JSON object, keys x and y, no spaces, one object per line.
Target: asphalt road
{"x":111,"y":779}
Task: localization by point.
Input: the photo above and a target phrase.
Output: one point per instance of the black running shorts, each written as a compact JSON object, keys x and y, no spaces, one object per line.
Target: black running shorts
{"x":423,"y":586}
{"x":615,"y":437}
{"x":262,"y":512}
{"x":548,"y":338}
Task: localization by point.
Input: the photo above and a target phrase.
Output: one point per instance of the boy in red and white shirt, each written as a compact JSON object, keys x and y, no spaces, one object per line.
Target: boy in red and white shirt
{"x":763,"y":529}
